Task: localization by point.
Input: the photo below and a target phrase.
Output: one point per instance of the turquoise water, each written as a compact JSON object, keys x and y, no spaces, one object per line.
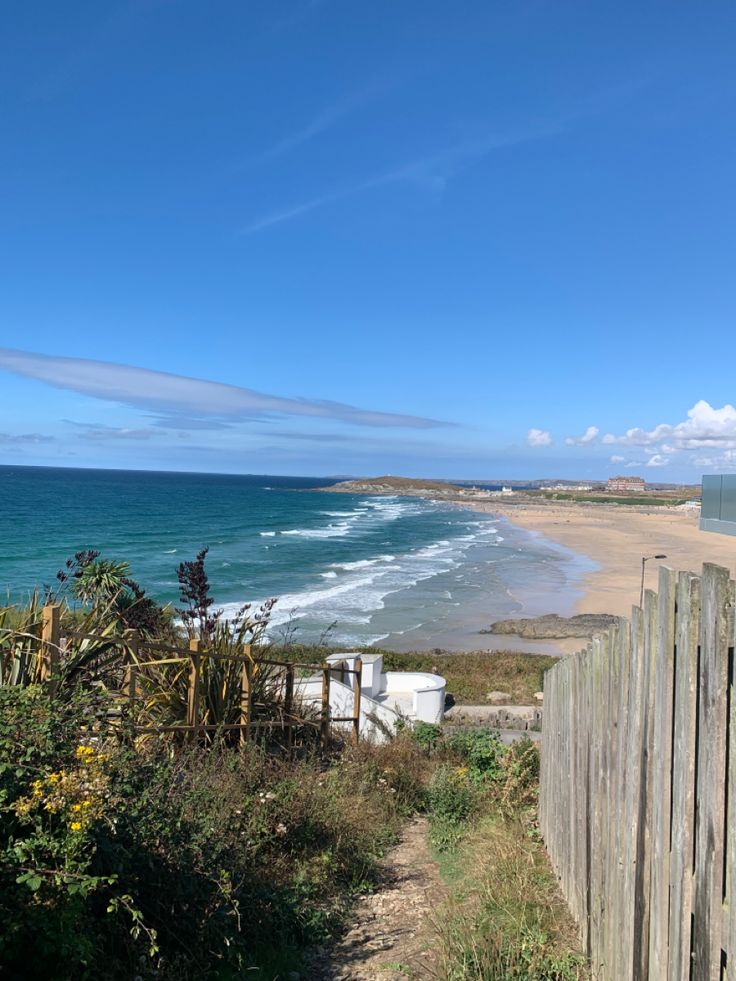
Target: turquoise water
{"x":403,"y":571}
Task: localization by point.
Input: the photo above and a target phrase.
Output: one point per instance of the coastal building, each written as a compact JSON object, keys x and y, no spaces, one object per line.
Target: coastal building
{"x":626,"y":485}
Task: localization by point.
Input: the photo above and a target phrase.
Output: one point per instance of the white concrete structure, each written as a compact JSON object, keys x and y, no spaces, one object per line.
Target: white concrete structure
{"x":386,"y":697}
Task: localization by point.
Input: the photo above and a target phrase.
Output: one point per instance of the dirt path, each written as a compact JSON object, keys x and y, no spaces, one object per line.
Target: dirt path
{"x":392,"y":936}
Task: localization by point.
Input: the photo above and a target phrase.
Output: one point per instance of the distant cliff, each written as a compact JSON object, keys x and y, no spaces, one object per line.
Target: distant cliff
{"x":397,"y":485}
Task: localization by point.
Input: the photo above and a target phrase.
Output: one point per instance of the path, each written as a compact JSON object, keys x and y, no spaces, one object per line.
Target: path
{"x":391,"y":936}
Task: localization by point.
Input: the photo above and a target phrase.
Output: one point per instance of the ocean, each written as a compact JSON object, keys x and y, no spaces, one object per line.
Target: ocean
{"x":400,"y":571}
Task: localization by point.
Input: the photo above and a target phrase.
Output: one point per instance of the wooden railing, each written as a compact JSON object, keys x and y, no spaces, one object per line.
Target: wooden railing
{"x":134,"y":656}
{"x":638,"y":785}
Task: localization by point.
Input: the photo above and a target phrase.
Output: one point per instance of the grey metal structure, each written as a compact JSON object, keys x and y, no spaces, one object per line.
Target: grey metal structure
{"x":718,"y":511}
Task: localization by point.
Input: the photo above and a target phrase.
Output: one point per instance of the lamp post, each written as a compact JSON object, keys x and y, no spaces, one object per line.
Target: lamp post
{"x":644,"y":560}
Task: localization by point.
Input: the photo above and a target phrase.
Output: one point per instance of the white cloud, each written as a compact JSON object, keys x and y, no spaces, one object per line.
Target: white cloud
{"x":588,"y":437}
{"x":705,"y":426}
{"x":176,"y":397}
{"x":722,"y":461}
{"x":539,"y":437}
{"x":657,"y":461}
{"x":618,"y":459}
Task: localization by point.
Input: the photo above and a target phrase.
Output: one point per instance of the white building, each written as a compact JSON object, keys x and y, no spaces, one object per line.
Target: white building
{"x":386,"y":697}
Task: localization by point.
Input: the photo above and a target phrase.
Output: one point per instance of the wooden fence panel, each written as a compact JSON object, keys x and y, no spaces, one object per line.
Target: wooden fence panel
{"x":729,"y":922}
{"x":683,"y":775}
{"x":711,"y":763}
{"x":638,"y":786}
{"x":661,"y":792}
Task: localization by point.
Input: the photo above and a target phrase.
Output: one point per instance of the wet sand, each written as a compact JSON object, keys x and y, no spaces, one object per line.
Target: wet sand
{"x":616,"y":538}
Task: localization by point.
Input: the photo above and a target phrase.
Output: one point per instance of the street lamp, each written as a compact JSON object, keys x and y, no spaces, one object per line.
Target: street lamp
{"x":644,"y":560}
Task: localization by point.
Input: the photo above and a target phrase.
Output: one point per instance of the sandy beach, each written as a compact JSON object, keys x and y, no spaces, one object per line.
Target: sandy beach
{"x":616,"y":538}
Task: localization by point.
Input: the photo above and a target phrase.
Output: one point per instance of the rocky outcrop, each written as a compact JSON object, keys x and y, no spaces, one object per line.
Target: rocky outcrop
{"x":395,"y":485}
{"x":554,"y":627}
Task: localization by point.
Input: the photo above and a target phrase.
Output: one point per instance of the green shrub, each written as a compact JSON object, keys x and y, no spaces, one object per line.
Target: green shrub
{"x":450,"y":800}
{"x":481,"y":749}
{"x":198,"y":864}
{"x":426,"y":735}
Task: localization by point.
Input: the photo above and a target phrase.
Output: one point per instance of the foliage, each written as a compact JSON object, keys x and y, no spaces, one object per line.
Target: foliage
{"x":105,"y":585}
{"x":481,"y":749}
{"x":197,"y":863}
{"x":478,"y":770}
{"x":426,"y":735}
{"x":512,"y":924}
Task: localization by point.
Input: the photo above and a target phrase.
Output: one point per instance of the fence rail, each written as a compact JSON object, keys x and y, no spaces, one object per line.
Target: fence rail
{"x":133,"y":657}
{"x":638,"y":785}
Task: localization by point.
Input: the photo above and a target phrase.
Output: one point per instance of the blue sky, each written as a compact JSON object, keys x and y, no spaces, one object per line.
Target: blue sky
{"x":469,"y":239}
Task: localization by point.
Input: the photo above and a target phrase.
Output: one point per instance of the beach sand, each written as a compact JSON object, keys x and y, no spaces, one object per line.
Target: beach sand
{"x":616,"y":538}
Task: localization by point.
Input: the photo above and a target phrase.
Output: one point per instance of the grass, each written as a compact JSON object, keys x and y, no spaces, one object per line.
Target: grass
{"x":643,"y":501}
{"x":470,"y":676}
{"x":505,"y":918}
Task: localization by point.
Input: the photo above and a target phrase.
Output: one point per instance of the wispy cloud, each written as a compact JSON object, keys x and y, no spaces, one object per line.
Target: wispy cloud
{"x":430,"y":172}
{"x":10,"y":439}
{"x":322,"y":122}
{"x":175,"y":396}
{"x":96,"y":431}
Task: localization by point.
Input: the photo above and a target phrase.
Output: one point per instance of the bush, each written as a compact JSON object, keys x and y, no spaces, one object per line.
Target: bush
{"x":117,"y":861}
{"x":481,"y":749}
{"x":451,"y":800}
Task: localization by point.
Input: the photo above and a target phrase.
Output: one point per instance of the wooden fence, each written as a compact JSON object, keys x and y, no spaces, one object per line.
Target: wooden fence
{"x":638,"y":785}
{"x":133,"y":658}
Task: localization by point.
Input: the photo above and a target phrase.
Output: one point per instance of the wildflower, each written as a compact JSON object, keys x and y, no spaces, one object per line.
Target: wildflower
{"x":76,"y":807}
{"x":281,"y":829}
{"x":76,"y":826}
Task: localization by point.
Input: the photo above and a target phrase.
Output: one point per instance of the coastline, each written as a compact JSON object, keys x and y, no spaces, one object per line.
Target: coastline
{"x":616,"y":539}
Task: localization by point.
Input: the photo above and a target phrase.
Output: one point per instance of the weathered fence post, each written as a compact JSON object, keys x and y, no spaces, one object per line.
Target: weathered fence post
{"x":661,"y":787}
{"x":50,"y":646}
{"x":324,"y":729}
{"x":356,"y":699}
{"x":193,"y":688}
{"x":717,"y":594}
{"x":683,"y":775}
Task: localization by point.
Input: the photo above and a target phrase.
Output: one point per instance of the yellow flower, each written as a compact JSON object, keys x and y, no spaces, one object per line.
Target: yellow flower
{"x":85,"y":803}
{"x":55,"y":777}
{"x":76,"y":826}
{"x":76,"y":807}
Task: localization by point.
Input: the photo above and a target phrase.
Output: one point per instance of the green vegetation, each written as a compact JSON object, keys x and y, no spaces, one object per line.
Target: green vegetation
{"x":166,"y":856}
{"x":504,"y":919}
{"x":470,"y":676}
{"x":643,"y":500}
{"x":118,"y":861}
